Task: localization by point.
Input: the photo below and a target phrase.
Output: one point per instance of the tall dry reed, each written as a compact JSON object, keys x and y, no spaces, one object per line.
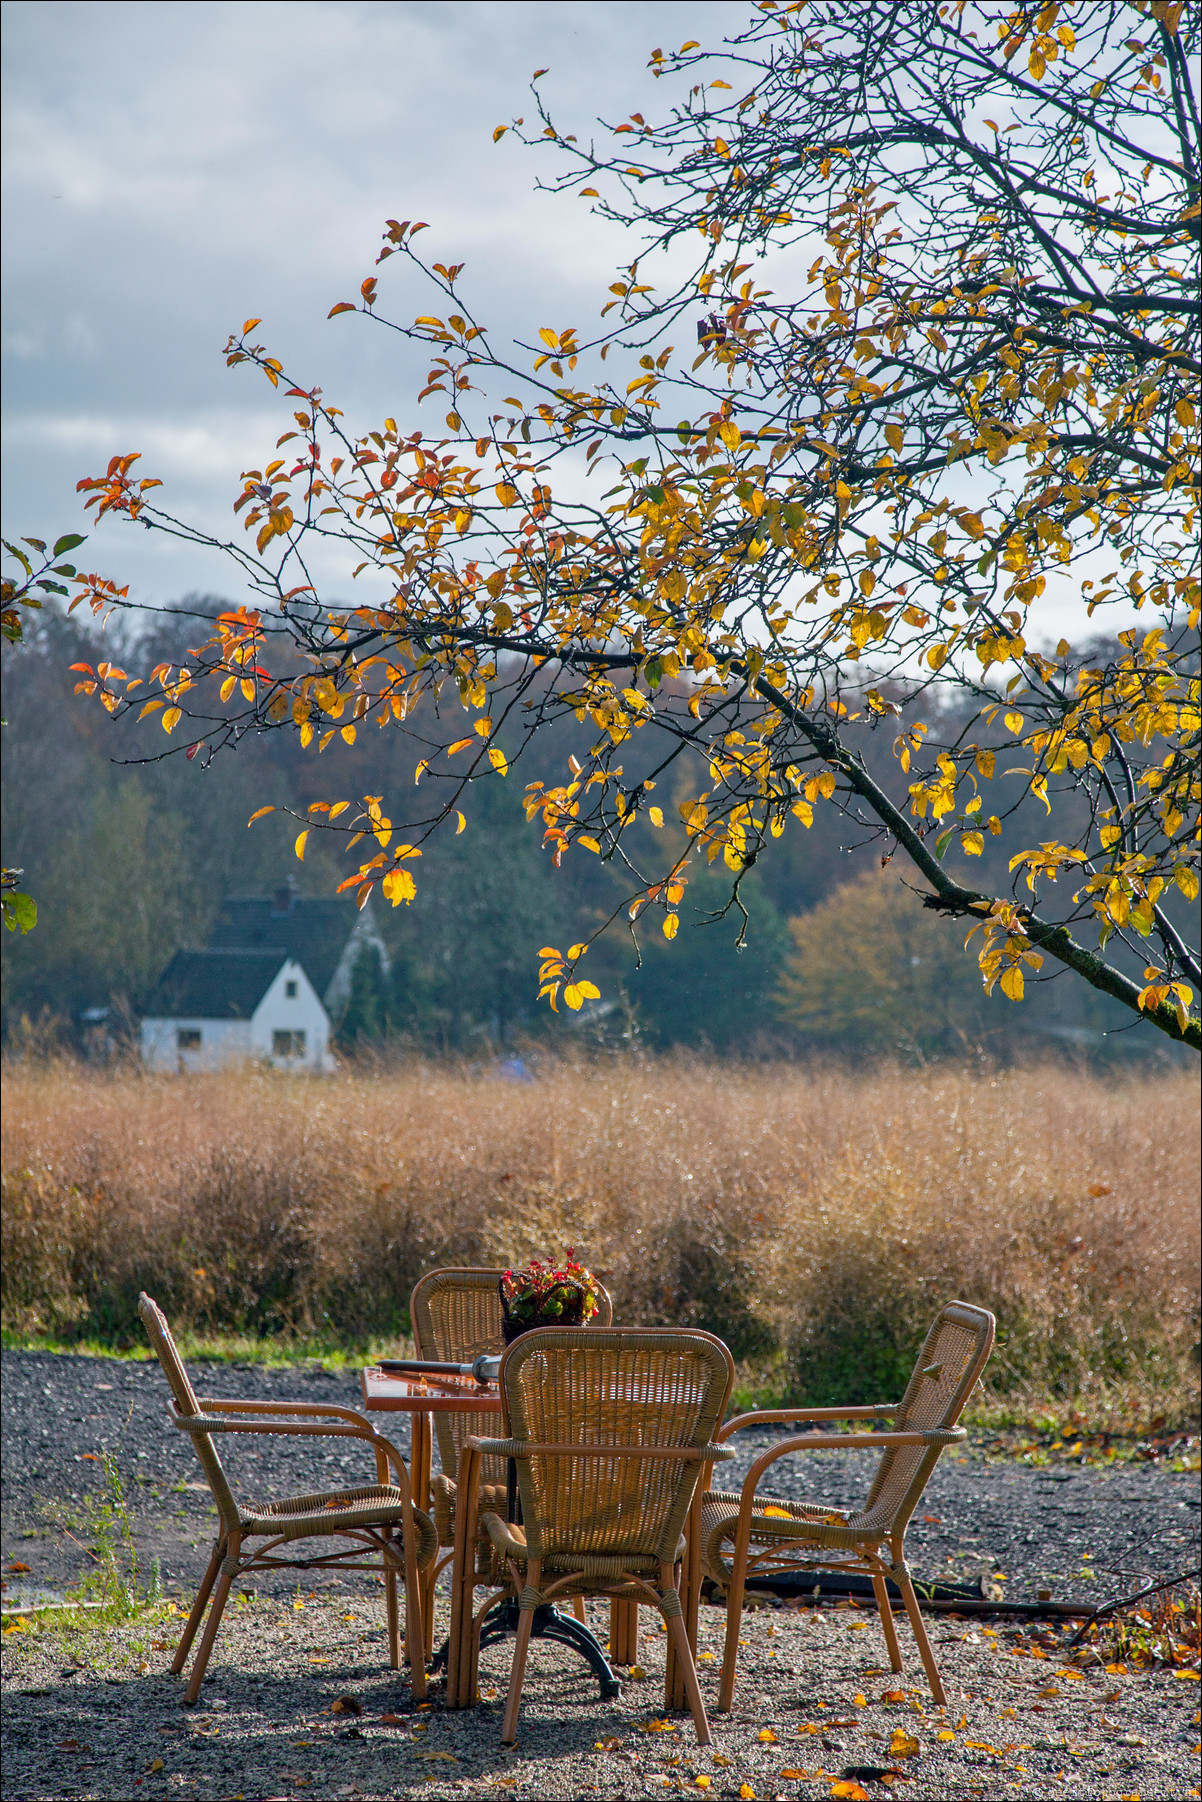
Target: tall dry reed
{"x":811,"y":1216}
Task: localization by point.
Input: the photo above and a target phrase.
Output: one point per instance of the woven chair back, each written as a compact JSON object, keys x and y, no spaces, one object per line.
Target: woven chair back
{"x":611,"y":1387}
{"x":953,"y":1355}
{"x":159,"y":1334}
{"x":456,"y":1315}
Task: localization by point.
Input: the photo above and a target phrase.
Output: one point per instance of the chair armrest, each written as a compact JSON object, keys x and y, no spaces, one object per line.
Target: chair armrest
{"x":361,"y":1428}
{"x":835,"y":1442}
{"x":527,"y":1448}
{"x":763,"y":1415}
{"x":224,"y":1405}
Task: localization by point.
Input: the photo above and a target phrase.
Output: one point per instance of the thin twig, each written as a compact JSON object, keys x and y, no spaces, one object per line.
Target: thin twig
{"x":1127,"y":1601}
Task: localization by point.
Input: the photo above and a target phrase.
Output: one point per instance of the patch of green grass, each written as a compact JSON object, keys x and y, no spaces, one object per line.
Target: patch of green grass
{"x":227,"y":1348}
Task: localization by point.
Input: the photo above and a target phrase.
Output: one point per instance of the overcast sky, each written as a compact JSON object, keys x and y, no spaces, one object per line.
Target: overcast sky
{"x":172,"y":169}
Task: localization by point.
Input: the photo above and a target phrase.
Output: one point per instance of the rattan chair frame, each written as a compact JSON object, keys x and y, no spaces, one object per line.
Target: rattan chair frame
{"x":804,"y":1536}
{"x":370,"y":1518}
{"x":455,"y":1315}
{"x":605,"y":1497}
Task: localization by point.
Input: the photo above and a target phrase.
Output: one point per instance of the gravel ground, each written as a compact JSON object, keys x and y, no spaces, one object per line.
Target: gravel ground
{"x":94,"y":1714}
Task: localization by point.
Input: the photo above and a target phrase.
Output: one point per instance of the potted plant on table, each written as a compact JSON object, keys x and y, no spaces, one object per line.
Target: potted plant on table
{"x":542,"y":1294}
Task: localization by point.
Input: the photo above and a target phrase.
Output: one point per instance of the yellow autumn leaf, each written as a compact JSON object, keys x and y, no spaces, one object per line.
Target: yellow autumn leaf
{"x":903,"y":1744}
{"x":461,"y":823}
{"x":507,"y":494}
{"x":497,"y":758}
{"x":772,"y":1512}
{"x":730,"y":434}
{"x":1014,"y":722}
{"x":171,"y":718}
{"x":398,"y":886}
{"x":574,"y":996}
{"x":1012,"y":983}
{"x":259,"y":815}
{"x":589,"y":843}
{"x":671,"y":925}
{"x":300,"y":843}
{"x":656,"y":815}
{"x":972,"y":843}
{"x":894,"y":437}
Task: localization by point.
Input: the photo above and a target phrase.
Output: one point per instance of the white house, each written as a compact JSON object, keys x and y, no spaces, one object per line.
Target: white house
{"x":324,"y":933}
{"x":220,"y":1007}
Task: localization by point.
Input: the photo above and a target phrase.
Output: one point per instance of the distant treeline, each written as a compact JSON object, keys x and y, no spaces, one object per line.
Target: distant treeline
{"x":130,"y":860}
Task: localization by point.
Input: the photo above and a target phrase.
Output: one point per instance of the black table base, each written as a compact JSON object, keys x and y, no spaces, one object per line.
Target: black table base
{"x":549,"y":1623}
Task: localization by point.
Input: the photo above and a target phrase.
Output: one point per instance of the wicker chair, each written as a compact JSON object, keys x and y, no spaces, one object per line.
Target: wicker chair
{"x":609,"y":1431}
{"x":747,"y":1535}
{"x":386,"y":1533}
{"x":456,"y":1315}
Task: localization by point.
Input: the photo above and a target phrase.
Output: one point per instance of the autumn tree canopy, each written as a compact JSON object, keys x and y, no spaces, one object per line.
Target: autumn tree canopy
{"x":904,"y":368}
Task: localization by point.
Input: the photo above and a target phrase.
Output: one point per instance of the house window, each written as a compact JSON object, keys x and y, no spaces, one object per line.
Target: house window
{"x":287,"y":1044}
{"x":290,"y":990}
{"x":187,"y":1038}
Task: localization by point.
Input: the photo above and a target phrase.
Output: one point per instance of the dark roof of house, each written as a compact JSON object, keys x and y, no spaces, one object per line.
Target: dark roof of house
{"x":214,"y":985}
{"x":313,"y":930}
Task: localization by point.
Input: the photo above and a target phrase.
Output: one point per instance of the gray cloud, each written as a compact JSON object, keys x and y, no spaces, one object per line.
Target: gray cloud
{"x":172,"y":169}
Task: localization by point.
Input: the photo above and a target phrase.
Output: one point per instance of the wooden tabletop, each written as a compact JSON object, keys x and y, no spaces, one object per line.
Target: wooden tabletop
{"x":434,"y":1395}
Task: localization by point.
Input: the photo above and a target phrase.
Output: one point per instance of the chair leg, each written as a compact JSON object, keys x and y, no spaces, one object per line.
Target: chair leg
{"x":216,"y":1610}
{"x":880,"y":1590}
{"x":578,"y":1610}
{"x":394,"y":1633}
{"x":734,"y":1617}
{"x":428,"y":1580}
{"x":688,"y":1672}
{"x":902,"y":1579}
{"x":517,"y":1674}
{"x":198,"y":1608}
{"x":415,"y":1633}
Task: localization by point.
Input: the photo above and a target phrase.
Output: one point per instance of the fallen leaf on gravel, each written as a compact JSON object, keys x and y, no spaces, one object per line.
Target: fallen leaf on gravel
{"x":856,"y":1626}
{"x":659,"y":1726}
{"x":850,"y":1792}
{"x":606,"y":1745}
{"x":439,"y":1757}
{"x":894,"y":1695}
{"x":637,"y":1672}
{"x":1116,"y":1670}
{"x":903,"y":1744}
{"x":767,"y":1736}
{"x":392,"y":1720}
{"x":1073,"y":1676}
{"x":16,"y":1625}
{"x":859,"y":1701}
{"x":934,"y":1520}
{"x":945,"y":1733}
{"x":18,"y":1567}
{"x":68,"y":1745}
{"x":702,"y":1782}
{"x":316,"y":1658}
{"x":795,"y":1776}
{"x":347,"y":1705}
{"x":720,"y":1759}
{"x":1191,"y":1675}
{"x":808,"y":1727}
{"x":747,"y":1793}
{"x":156,"y":1764}
{"x":706,"y":1657}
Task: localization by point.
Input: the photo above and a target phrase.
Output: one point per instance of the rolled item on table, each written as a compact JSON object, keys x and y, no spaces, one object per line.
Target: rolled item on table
{"x":484,"y":1367}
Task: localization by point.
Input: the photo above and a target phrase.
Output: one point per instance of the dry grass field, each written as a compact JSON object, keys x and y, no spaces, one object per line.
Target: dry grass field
{"x":812,"y":1216}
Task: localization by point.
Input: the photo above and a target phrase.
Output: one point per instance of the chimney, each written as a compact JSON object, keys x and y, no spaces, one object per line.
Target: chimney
{"x":281,"y":901}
